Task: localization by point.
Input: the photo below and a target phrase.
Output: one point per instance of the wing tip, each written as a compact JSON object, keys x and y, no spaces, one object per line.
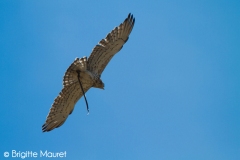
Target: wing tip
{"x":130,"y":17}
{"x":44,"y":128}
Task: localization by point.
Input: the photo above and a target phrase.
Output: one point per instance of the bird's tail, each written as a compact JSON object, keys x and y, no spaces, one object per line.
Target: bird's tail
{"x":82,"y":62}
{"x":79,"y":64}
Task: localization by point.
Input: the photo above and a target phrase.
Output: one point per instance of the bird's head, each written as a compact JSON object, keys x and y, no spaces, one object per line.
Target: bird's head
{"x":98,"y":84}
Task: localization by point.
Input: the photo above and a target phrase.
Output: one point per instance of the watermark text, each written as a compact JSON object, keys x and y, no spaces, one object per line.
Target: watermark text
{"x":35,"y":154}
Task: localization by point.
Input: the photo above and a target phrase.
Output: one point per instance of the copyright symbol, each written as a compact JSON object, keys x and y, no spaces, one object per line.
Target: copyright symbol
{"x":6,"y":154}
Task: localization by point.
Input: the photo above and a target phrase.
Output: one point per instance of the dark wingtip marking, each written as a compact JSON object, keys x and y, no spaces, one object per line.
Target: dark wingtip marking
{"x":44,"y":126}
{"x":131,"y":19}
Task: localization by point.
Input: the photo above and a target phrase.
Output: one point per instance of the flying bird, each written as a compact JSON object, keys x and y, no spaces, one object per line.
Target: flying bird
{"x":85,"y":73}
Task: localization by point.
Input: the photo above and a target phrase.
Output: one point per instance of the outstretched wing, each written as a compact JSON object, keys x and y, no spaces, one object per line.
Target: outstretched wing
{"x":108,"y":47}
{"x":64,"y":103}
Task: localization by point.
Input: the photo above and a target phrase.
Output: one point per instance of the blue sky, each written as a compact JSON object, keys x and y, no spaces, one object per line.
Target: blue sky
{"x":173,"y":91}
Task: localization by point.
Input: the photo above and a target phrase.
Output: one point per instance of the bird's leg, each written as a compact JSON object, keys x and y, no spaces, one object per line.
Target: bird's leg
{"x":82,"y":89}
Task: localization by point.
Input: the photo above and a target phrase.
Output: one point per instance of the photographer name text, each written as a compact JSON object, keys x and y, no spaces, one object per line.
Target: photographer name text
{"x":33,"y":154}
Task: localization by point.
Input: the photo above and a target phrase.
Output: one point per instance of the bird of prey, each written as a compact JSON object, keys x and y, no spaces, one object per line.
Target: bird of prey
{"x":85,"y":73}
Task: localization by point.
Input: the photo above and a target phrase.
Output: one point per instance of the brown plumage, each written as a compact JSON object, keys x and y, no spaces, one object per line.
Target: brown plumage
{"x":88,"y":73}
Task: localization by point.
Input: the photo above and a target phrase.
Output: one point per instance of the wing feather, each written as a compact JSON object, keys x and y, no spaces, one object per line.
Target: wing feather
{"x":108,"y":47}
{"x":64,"y":103}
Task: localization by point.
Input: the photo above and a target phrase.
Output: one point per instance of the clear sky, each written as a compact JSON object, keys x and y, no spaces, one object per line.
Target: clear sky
{"x":171,"y":93}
